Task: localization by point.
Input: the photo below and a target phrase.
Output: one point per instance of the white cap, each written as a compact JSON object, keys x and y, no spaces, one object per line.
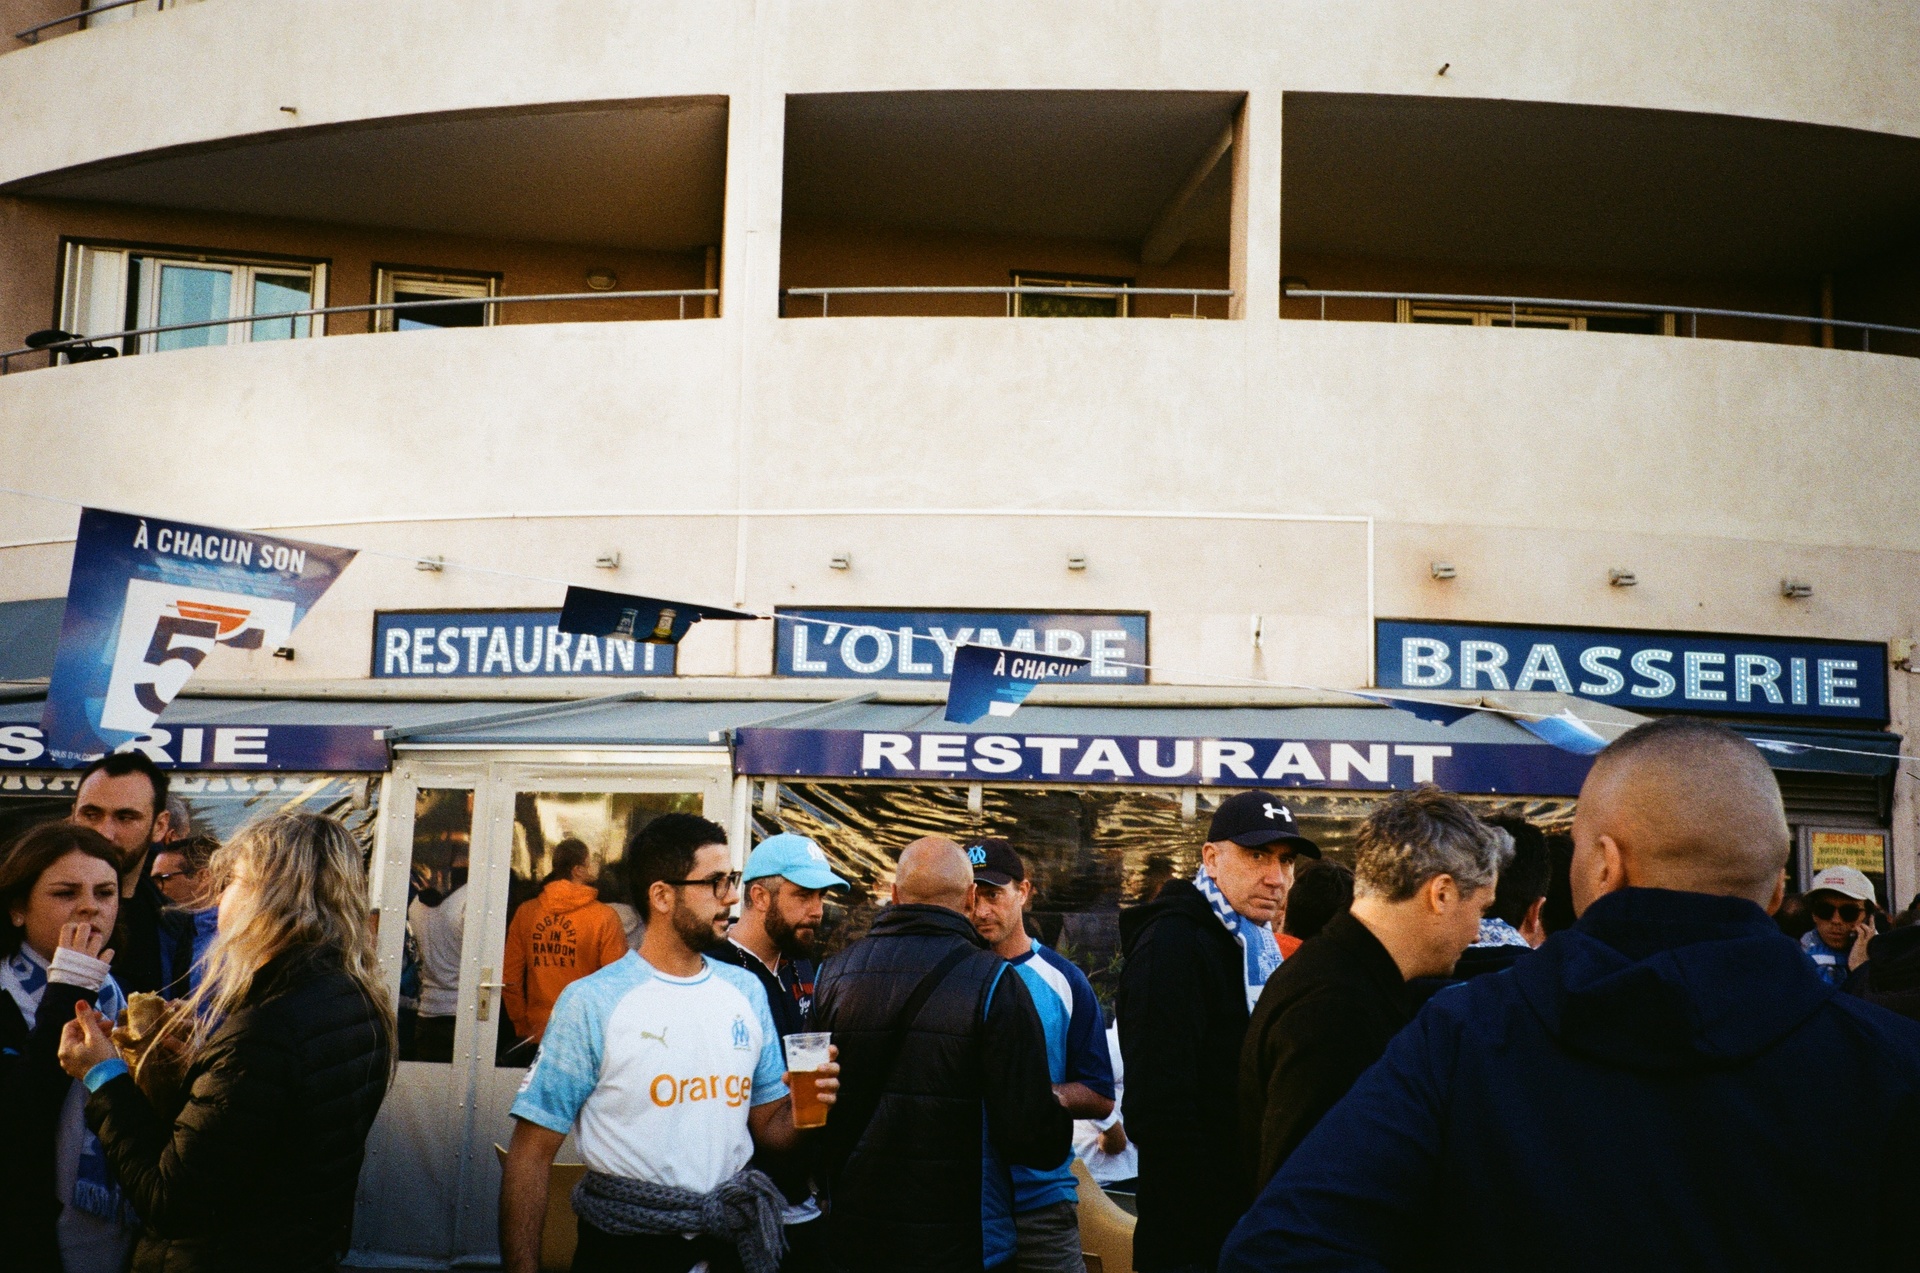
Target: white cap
{"x":1845,"y":881}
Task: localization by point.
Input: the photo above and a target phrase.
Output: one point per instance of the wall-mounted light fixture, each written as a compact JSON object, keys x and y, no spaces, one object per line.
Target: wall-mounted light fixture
{"x":607,"y":561}
{"x":284,"y":652}
{"x":1442,"y":570}
{"x":1077,"y":561}
{"x":1795,"y":589}
{"x":840,"y":561}
{"x":602,"y":280}
{"x":1622,"y":578}
{"x":430,"y":563}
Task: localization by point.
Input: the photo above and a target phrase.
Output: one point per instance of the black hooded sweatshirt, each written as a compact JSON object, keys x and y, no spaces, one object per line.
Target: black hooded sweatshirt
{"x":1183,"y":1016}
{"x":1651,"y":1089}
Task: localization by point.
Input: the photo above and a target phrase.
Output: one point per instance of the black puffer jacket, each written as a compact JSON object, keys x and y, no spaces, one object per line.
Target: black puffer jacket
{"x":33,"y":1088}
{"x":1183,"y":1017}
{"x":258,"y":1170}
{"x":908,"y":1193}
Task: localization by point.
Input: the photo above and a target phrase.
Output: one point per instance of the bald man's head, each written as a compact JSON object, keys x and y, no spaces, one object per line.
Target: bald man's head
{"x":1680,"y":804}
{"x":934,"y":871}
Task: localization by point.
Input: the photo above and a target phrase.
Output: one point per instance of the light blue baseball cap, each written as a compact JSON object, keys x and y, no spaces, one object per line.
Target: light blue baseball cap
{"x":793,"y":857}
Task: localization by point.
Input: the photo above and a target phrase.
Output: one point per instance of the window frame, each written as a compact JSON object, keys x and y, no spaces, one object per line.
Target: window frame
{"x":135,"y":260}
{"x":428,"y":277}
{"x":1536,"y":317}
{"x":1097,"y":285}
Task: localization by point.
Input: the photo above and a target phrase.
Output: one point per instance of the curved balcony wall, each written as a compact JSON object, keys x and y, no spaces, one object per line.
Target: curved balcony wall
{"x":1534,"y":460}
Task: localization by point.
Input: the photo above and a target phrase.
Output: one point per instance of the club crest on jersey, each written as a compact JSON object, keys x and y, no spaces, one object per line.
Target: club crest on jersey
{"x":741,"y":1039}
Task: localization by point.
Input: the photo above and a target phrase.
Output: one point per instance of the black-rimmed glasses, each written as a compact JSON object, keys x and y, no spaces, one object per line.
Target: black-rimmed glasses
{"x":720,"y":884}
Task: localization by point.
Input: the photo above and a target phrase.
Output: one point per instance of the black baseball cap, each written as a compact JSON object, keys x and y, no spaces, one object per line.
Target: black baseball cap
{"x":1254,"y":818}
{"x":995,"y":862}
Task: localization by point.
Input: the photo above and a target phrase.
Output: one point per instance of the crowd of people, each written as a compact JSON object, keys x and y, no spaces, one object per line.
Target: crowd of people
{"x":1478,"y":1045}
{"x":194,"y":1038}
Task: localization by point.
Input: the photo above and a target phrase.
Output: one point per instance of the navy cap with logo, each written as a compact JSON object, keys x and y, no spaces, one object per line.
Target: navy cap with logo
{"x":995,"y":862}
{"x":1254,"y":818}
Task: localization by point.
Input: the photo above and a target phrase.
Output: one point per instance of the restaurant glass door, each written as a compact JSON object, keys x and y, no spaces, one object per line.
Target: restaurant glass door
{"x":465,"y":846}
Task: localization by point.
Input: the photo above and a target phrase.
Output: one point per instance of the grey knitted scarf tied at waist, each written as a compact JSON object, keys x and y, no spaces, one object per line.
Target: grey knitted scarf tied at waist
{"x":745,"y":1210}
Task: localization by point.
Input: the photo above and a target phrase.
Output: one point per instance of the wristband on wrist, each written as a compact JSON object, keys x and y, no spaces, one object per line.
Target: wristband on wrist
{"x":104,"y":1073}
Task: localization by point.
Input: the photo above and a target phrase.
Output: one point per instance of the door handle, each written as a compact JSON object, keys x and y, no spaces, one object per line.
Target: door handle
{"x":486,"y":1000}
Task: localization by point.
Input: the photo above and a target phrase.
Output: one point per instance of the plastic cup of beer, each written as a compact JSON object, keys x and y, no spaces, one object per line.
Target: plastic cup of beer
{"x":806,"y":1055}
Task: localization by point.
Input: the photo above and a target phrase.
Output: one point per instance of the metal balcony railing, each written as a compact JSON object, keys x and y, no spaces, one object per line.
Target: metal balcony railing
{"x":32,"y":34}
{"x":1084,"y":291}
{"x":101,"y":346}
{"x":1519,"y":307}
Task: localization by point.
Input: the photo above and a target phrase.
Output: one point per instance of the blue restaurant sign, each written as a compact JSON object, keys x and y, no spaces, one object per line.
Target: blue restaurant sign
{"x":1100,"y":760}
{"x":172,"y":745}
{"x":918,"y":645}
{"x":1642,"y":671}
{"x":445,"y":644}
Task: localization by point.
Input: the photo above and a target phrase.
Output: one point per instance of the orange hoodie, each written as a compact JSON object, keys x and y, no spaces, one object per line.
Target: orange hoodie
{"x":554,"y":940}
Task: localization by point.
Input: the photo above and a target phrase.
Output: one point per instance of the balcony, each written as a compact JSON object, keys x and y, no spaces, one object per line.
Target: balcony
{"x":607,"y":213}
{"x":1008,"y":204}
{"x":1584,"y":218}
{"x":30,"y":21}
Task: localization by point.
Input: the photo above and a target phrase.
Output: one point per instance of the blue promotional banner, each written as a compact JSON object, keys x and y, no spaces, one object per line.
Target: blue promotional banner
{"x":1475,"y":768}
{"x":1641,"y":671}
{"x":297,"y":748}
{"x":449,"y":644}
{"x":622,"y":616}
{"x":148,"y":600}
{"x":989,"y":681}
{"x":919,"y":645}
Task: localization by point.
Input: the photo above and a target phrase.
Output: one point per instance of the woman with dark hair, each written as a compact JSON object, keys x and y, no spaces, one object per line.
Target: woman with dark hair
{"x":286,"y":1050}
{"x":59,"y":900}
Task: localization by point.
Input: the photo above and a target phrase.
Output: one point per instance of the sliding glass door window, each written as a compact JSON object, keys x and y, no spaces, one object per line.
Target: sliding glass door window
{"x":106,"y":290}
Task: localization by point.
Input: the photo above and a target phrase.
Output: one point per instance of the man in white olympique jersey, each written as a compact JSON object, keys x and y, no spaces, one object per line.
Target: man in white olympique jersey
{"x":667,"y":1068}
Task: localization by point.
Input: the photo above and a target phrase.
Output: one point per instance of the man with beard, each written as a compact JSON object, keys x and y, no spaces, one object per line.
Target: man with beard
{"x":786,"y":883}
{"x":667,"y":1068}
{"x":776,"y":937}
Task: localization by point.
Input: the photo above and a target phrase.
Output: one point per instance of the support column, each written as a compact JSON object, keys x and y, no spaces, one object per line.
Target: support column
{"x":1903,"y":873}
{"x":1255,"y":253}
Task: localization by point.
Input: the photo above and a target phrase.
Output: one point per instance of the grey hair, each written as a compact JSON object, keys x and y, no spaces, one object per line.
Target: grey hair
{"x":1419,"y":834}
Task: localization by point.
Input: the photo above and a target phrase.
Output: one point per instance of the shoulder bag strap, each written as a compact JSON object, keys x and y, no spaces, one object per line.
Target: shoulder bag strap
{"x":889,"y":1055}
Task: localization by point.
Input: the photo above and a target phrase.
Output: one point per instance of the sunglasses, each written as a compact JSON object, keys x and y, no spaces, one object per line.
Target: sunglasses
{"x":1848,"y":912}
{"x":161,"y":877}
{"x":720,"y":884}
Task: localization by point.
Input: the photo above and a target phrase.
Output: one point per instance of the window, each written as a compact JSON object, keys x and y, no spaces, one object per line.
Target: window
{"x":1574,"y":320}
{"x":108,"y":289}
{"x":1100,"y":301}
{"x":396,"y":284}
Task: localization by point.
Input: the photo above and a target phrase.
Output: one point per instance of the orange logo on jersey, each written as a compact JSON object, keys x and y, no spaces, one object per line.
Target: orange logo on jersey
{"x":667,"y":1091}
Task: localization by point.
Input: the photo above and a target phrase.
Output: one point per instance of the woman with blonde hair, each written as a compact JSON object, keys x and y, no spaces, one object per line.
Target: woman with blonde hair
{"x":285,"y":1050}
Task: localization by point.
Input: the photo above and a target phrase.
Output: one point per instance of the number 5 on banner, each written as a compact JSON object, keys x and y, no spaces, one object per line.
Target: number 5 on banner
{"x":167,"y":631}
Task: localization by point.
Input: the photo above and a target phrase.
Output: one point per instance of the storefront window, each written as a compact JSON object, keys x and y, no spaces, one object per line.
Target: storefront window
{"x":1088,"y":852}
{"x":218,"y":804}
{"x":605,"y":822}
{"x":437,"y":898}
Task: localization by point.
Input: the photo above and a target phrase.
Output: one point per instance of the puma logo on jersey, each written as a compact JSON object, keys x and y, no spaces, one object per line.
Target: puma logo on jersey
{"x":660,"y":1038}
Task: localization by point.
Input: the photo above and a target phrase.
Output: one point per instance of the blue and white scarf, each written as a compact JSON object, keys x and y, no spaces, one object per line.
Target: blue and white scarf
{"x":1256,"y":940}
{"x":24,"y":978}
{"x":1498,"y":932}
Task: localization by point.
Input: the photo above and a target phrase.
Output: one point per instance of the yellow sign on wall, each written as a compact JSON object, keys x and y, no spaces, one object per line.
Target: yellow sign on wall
{"x":1861,"y":850}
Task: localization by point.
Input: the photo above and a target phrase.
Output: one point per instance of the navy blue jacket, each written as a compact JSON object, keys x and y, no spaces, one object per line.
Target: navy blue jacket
{"x":1646,"y":1091}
